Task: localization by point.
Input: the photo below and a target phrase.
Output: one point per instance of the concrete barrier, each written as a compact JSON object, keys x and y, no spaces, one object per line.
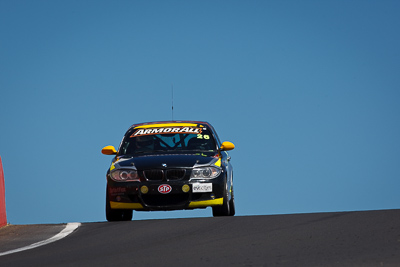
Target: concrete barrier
{"x":3,"y":215}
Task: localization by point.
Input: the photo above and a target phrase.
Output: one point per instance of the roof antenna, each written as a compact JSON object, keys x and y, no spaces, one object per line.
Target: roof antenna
{"x":172,"y":88}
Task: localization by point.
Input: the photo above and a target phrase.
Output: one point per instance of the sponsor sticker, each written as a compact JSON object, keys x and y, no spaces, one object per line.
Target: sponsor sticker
{"x":117,"y":190}
{"x":202,"y":187}
{"x":164,"y":188}
{"x":167,"y":130}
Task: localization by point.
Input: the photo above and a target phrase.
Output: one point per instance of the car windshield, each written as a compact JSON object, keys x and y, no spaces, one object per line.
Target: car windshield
{"x":139,"y":141}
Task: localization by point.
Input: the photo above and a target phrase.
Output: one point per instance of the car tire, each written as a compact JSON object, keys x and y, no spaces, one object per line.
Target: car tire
{"x":232,"y":204}
{"x":223,"y":210}
{"x":114,"y":215}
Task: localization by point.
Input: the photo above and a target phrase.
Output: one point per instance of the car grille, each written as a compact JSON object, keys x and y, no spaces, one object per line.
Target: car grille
{"x":158,"y":175}
{"x":154,"y":175}
{"x":176,"y":174}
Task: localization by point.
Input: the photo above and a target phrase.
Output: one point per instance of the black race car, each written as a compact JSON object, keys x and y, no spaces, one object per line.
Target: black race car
{"x":169,"y":165}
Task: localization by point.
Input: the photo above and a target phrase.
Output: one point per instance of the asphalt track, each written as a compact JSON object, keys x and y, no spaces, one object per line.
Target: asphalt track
{"x":364,"y":238}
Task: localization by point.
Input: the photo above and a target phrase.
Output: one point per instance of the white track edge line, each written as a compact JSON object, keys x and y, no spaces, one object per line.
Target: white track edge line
{"x":69,"y":228}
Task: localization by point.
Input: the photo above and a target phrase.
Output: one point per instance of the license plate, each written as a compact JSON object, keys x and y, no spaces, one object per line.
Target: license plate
{"x":202,"y":188}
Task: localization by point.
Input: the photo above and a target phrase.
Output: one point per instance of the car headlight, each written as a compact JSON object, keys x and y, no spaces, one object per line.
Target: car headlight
{"x":205,"y":172}
{"x":124,"y":175}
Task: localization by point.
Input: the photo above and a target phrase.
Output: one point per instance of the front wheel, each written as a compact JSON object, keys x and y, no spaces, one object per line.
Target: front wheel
{"x":114,"y":215}
{"x":225,"y":209}
{"x":232,"y":204}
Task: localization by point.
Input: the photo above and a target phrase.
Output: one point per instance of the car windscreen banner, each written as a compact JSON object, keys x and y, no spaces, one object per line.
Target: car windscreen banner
{"x":167,"y":130}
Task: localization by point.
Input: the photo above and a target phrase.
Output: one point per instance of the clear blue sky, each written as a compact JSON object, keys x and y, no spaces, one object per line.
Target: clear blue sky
{"x":307,"y":90}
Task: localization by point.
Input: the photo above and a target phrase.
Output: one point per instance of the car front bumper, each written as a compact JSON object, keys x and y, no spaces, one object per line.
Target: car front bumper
{"x":183,"y":194}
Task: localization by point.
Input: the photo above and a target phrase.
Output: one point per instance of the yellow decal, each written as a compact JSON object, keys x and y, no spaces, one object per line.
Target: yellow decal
{"x":144,"y":189}
{"x":218,"y":163}
{"x":200,"y":136}
{"x":185,"y":188}
{"x":120,"y":205}
{"x":112,"y":167}
{"x":206,"y":203}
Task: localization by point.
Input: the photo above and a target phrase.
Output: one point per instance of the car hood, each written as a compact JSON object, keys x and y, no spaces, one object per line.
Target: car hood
{"x":171,"y":161}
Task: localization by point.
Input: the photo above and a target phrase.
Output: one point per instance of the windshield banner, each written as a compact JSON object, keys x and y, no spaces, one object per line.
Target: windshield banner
{"x":169,"y":130}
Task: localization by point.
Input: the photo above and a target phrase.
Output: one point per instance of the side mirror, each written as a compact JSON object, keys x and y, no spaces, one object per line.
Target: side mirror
{"x":227,"y":146}
{"x":109,"y":150}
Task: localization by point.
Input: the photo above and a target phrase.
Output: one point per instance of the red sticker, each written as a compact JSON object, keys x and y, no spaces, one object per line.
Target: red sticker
{"x":164,"y":188}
